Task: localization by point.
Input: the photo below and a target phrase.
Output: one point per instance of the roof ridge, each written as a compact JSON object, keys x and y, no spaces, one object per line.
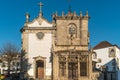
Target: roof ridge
{"x":102,"y":44}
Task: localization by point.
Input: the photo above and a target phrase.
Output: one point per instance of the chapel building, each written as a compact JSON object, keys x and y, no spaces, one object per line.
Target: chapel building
{"x":58,"y":50}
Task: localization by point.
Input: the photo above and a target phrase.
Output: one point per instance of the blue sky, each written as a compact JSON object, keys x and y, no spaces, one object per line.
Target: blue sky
{"x":103,"y":25}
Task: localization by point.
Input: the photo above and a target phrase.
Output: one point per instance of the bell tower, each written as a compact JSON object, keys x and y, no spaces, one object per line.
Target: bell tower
{"x":71,"y":29}
{"x":71,"y":57}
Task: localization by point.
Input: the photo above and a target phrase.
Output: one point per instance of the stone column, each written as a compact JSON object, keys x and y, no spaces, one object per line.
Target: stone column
{"x":55,"y":67}
{"x":78,"y":68}
{"x":67,"y":67}
{"x":89,"y":67}
{"x":44,"y":69}
{"x":34,"y":68}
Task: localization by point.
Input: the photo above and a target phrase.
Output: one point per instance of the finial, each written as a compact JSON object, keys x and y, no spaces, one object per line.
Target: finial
{"x":53,"y":18}
{"x":86,"y":13}
{"x":80,"y":13}
{"x":40,"y":13}
{"x":27,"y":17}
{"x":62,"y":13}
{"x":53,"y":15}
{"x":75,"y":13}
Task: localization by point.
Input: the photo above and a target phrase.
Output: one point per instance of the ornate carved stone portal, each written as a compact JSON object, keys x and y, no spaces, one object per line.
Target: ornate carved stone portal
{"x":73,"y":65}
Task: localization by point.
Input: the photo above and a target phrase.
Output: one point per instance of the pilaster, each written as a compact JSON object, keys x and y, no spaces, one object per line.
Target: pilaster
{"x":78,"y":67}
{"x":55,"y":67}
{"x":67,"y":67}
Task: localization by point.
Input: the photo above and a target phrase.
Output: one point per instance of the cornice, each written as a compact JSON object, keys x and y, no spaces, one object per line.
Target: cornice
{"x":37,"y":28}
{"x":72,"y":18}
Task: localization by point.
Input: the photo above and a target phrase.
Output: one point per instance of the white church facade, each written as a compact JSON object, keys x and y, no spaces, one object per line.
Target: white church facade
{"x":37,"y":42}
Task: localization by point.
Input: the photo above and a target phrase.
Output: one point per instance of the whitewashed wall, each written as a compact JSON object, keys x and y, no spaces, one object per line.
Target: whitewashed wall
{"x":39,"y":47}
{"x":43,"y":23}
{"x":103,"y":54}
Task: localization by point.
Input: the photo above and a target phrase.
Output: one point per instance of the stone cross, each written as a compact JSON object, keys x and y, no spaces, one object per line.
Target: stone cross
{"x":40,"y":4}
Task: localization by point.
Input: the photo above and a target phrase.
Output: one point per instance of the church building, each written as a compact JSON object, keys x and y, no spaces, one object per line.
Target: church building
{"x":58,"y":50}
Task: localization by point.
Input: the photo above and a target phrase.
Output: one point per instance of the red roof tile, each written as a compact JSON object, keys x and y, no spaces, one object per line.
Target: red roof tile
{"x":103,"y":44}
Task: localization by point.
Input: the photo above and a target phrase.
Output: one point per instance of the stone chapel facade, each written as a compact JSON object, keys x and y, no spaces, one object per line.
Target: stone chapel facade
{"x":71,"y":56}
{"x":58,"y":50}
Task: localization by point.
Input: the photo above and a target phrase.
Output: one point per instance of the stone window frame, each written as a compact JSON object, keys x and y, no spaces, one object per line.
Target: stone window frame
{"x":72,"y":25}
{"x":94,"y":55}
{"x":112,"y":52}
{"x":62,"y":67}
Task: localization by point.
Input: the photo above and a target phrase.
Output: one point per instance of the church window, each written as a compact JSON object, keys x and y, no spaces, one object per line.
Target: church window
{"x":83,"y":68}
{"x":72,"y":70}
{"x":72,"y":30}
{"x":62,"y":67}
{"x":72,"y":58}
{"x":83,"y":65}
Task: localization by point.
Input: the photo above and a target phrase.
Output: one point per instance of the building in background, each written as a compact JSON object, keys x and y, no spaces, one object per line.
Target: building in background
{"x":107,"y":57}
{"x":14,"y":64}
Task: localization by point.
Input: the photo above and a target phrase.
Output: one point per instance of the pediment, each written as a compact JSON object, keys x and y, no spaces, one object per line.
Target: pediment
{"x":39,"y":58}
{"x":39,"y":22}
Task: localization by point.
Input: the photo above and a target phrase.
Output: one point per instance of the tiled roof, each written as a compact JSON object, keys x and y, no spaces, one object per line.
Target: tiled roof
{"x":103,"y":44}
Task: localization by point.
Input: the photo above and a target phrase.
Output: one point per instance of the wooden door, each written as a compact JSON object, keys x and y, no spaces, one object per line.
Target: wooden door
{"x":40,"y":73}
